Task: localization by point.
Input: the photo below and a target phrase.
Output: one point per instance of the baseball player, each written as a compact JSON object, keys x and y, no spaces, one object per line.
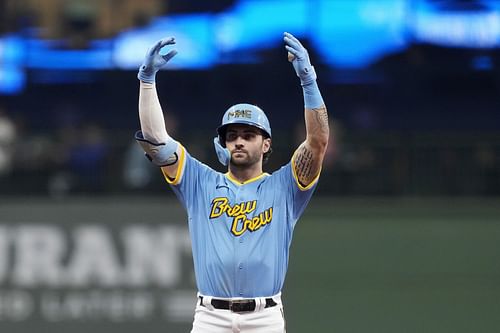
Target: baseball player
{"x":241,"y":222}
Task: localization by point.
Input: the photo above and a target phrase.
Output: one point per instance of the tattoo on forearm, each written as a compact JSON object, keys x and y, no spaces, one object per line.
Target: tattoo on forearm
{"x":322,"y":118}
{"x":304,"y":165}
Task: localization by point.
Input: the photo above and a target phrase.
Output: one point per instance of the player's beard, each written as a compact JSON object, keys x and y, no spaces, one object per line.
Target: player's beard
{"x":249,"y":159}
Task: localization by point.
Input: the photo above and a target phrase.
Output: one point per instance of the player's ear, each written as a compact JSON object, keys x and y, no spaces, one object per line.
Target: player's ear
{"x":266,"y":145}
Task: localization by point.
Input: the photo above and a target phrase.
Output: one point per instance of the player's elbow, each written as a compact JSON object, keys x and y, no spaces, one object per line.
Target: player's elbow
{"x":318,"y":142}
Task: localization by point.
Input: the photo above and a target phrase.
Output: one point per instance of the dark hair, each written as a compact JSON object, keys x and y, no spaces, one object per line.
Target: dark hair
{"x":266,"y":156}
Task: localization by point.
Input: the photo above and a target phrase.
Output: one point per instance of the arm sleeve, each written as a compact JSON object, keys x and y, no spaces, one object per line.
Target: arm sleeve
{"x":151,"y":115}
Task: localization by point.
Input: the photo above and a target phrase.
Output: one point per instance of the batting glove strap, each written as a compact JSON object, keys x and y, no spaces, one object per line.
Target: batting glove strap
{"x":147,"y":74}
{"x":307,"y":75}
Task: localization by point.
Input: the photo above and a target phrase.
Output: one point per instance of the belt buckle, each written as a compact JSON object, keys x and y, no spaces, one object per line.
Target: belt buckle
{"x":237,"y":305}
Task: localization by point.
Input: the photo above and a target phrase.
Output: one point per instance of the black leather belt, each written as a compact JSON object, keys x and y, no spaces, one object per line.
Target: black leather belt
{"x":240,"y":305}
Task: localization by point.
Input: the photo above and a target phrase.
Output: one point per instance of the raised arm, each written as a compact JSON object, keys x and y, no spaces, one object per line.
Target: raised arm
{"x":308,"y":157}
{"x":159,"y":147}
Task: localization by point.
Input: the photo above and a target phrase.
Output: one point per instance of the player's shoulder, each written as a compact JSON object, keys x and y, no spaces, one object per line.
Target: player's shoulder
{"x":280,"y":176}
{"x":284,"y":169}
{"x":194,"y":162}
{"x":191,"y":165}
{"x":286,"y":176}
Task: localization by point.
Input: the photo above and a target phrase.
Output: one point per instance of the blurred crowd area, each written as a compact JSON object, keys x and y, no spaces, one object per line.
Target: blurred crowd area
{"x":84,"y":156}
{"x":81,"y":21}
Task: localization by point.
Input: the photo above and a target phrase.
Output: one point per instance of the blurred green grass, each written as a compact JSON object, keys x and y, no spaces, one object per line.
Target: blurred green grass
{"x":396,"y":265}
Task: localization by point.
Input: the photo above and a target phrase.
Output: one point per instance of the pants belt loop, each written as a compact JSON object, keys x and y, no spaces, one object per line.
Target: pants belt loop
{"x":260,"y":303}
{"x":207,"y":302}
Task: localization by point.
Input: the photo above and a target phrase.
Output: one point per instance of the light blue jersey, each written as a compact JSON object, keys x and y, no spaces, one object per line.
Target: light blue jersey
{"x":240,"y":232}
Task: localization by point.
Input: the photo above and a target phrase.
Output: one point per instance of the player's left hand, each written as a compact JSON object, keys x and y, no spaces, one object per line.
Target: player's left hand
{"x":299,"y":58}
{"x":154,"y":61}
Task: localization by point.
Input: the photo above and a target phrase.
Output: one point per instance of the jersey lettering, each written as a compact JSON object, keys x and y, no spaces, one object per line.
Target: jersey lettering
{"x":241,"y":222}
{"x":240,"y":114}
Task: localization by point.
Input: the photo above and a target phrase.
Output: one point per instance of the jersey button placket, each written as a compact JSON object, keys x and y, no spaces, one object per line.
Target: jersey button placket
{"x":239,"y":268}
{"x":240,"y":194}
{"x":240,"y":197}
{"x":240,"y":271}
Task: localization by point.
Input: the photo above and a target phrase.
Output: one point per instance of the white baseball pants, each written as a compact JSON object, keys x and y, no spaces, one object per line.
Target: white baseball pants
{"x":262,"y":320}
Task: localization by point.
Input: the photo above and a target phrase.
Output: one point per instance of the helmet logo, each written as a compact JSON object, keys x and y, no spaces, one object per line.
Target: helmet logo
{"x":240,"y":114}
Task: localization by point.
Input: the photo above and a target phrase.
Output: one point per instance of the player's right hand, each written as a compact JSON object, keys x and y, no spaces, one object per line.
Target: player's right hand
{"x":299,"y":57}
{"x":154,"y":61}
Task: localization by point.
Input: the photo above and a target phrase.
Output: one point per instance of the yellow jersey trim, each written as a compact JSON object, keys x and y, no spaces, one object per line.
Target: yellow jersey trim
{"x":180,"y":169}
{"x":237,"y":182}
{"x":294,"y":172}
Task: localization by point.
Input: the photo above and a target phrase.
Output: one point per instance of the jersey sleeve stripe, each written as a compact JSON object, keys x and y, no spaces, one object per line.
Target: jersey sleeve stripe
{"x":294,"y":172}
{"x":180,"y":169}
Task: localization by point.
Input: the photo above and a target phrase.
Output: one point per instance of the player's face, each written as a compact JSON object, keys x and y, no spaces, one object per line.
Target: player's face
{"x":246,"y":144}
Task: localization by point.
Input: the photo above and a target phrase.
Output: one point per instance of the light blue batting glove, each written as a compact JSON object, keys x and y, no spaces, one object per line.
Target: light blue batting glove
{"x":299,"y":58}
{"x":154,"y":61}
